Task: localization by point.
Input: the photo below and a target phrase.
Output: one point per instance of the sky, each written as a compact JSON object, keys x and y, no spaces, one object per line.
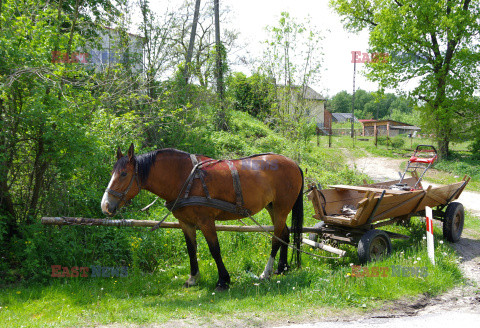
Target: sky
{"x":250,"y":17}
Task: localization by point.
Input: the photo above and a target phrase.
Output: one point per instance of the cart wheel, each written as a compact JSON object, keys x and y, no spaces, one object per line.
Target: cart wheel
{"x":453,"y":222}
{"x":313,"y":235}
{"x":373,"y":246}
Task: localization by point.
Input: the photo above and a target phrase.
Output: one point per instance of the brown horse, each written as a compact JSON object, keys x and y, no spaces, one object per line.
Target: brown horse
{"x":269,"y":181}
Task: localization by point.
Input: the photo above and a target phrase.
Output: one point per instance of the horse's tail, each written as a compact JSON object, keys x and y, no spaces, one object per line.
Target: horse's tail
{"x":297,"y":224}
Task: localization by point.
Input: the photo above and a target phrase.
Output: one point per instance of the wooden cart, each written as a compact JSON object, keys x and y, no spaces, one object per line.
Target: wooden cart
{"x":352,"y":214}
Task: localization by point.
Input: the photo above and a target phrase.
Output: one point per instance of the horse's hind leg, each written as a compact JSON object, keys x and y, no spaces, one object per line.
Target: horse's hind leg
{"x":190,"y":233}
{"x":283,"y":262}
{"x":280,"y":234}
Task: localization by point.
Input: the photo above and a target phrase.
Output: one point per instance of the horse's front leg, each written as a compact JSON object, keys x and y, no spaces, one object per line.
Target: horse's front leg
{"x":210,"y":233}
{"x":190,"y":233}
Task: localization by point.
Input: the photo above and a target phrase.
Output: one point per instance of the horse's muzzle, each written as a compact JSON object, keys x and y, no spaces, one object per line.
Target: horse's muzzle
{"x":109,"y":207}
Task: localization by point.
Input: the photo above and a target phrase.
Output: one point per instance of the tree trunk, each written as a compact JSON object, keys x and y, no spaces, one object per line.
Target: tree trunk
{"x":7,"y":149}
{"x":72,"y":29}
{"x":222,"y":117}
{"x":147,"y":44}
{"x":1,"y":4}
{"x":443,"y":147}
{"x":7,"y":211}
{"x":38,"y":172}
{"x":218,"y":44}
{"x":188,"y":60}
{"x":59,"y":26}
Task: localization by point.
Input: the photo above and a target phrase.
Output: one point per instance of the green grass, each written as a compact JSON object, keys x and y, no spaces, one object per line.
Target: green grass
{"x":472,"y":225}
{"x":153,"y":293}
{"x":320,"y":286}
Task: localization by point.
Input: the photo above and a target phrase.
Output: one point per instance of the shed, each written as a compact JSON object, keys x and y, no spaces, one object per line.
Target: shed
{"x":387,"y":128}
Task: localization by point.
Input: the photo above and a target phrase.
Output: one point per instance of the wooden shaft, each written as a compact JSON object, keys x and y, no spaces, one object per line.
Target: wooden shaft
{"x":61,"y":221}
{"x":324,"y":247}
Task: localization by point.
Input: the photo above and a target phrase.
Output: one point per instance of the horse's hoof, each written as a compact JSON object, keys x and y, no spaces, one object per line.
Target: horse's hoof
{"x":221,"y":288}
{"x":187,"y":284}
{"x":281,"y":271}
{"x":264,"y":276}
{"x":191,"y":281}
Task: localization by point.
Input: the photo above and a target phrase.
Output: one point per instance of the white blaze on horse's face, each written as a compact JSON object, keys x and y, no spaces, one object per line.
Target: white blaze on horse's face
{"x":109,"y":203}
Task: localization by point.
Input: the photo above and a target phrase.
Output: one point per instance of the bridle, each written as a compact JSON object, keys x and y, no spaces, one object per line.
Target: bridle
{"x":121,"y":195}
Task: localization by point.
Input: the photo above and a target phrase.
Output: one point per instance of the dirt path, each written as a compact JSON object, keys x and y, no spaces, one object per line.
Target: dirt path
{"x":383,"y":168}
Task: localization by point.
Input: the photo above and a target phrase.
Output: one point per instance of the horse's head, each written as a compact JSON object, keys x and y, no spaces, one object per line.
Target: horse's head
{"x":124,"y":184}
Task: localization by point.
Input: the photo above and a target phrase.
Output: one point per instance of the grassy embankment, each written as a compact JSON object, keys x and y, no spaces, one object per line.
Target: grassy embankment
{"x":320,"y":287}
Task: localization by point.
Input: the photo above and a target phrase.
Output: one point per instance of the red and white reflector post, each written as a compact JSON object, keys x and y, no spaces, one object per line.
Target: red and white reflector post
{"x":429,"y":220}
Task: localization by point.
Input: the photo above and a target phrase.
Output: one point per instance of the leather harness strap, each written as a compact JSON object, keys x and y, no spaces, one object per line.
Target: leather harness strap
{"x":198,"y":174}
{"x":236,"y":184}
{"x":186,"y":200}
{"x":203,"y":201}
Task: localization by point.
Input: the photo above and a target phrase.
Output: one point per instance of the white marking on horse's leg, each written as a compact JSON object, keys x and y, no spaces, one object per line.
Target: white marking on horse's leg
{"x":268,"y":268}
{"x":192,"y":280}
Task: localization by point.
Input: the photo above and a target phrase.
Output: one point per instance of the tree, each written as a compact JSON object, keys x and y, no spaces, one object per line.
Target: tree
{"x":341,"y":102}
{"x":292,"y":58}
{"x":432,"y":42}
{"x":46,"y":104}
{"x":158,"y":44}
{"x":373,"y":105}
{"x":203,"y":60}
{"x":193,"y":33}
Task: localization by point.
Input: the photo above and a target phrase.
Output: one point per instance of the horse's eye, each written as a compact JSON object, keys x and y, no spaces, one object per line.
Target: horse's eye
{"x":123,"y":174}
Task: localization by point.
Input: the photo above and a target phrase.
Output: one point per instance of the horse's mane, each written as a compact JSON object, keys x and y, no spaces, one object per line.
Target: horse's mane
{"x":146,"y":161}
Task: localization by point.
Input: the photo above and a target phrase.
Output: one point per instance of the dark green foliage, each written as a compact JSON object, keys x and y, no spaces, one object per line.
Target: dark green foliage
{"x":373,"y":105}
{"x":254,"y":94}
{"x":428,"y":42}
{"x":395,"y":142}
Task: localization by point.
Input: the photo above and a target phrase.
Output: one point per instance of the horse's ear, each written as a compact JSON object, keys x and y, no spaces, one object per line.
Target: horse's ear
{"x":131,"y":154}
{"x":119,"y":153}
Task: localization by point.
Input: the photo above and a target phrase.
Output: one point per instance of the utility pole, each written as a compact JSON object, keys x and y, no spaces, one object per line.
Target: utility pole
{"x":353,"y":95}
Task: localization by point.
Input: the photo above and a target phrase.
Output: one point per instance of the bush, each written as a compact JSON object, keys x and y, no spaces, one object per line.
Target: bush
{"x":475,"y":149}
{"x":395,"y":142}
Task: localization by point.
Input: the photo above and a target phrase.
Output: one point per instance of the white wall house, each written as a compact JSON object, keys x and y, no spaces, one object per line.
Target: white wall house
{"x":114,"y":50}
